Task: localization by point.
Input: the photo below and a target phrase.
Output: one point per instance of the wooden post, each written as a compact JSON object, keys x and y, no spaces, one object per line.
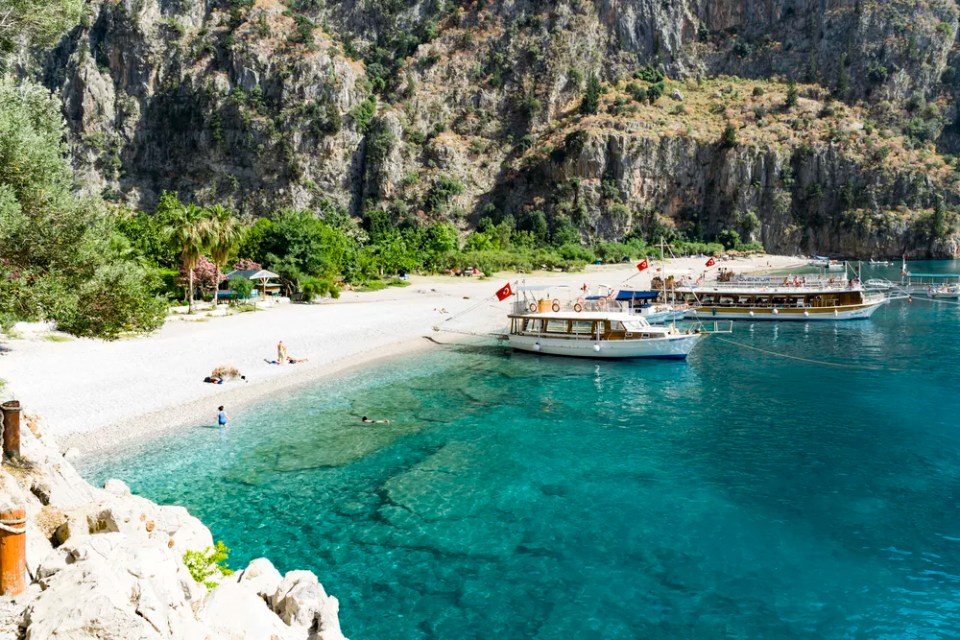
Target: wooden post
{"x":13,"y":550}
{"x":11,"y":428}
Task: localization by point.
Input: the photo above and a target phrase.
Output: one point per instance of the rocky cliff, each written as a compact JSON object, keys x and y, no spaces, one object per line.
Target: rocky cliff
{"x":103,"y":563}
{"x":387,"y":104}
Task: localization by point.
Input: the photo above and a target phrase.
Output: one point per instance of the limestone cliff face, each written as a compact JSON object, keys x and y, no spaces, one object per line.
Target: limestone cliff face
{"x":257,"y":105}
{"x":175,"y":95}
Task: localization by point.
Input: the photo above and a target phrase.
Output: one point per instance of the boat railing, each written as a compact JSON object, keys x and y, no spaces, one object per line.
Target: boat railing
{"x":717,"y":326}
{"x":589,"y":303}
{"x":782,"y":285}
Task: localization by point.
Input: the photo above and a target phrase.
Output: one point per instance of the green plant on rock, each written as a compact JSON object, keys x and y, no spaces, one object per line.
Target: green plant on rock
{"x":210,"y":562}
{"x":792,"y":95}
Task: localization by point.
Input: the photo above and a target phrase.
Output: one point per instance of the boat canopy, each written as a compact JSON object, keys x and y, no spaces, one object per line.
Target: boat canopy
{"x":623,"y":295}
{"x":945,"y":276}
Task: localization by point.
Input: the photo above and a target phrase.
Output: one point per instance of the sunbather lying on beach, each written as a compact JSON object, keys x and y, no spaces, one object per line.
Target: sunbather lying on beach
{"x":213,"y":380}
{"x":227,"y":373}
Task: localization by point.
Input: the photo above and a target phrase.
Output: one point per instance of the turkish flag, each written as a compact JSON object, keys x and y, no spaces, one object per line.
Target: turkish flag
{"x":505,"y":292}
{"x":711,"y":262}
{"x":642,"y":264}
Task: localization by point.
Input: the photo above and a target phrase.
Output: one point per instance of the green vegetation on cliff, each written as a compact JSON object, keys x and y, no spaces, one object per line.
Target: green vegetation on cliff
{"x":61,"y":257}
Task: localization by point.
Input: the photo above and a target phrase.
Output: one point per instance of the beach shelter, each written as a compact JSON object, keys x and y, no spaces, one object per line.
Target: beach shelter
{"x":260,"y":276}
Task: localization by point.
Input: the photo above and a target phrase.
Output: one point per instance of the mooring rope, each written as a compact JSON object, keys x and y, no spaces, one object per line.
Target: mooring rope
{"x":824,"y":363}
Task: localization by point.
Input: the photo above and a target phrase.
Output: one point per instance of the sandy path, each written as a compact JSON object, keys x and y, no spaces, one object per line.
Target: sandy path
{"x":94,"y":394}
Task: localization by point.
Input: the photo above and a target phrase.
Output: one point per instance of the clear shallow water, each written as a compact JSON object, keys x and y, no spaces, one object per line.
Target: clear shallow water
{"x":739,"y":495}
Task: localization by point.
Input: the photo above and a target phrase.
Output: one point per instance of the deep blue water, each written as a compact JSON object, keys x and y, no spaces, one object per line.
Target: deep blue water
{"x":737,"y":495}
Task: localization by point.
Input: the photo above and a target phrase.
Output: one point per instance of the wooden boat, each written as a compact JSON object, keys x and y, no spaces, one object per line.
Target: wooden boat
{"x":834,"y":299}
{"x":600,"y":334}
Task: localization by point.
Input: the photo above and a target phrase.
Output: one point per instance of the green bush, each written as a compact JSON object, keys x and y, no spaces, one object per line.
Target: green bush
{"x":242,"y":288}
{"x":209,"y":562}
{"x":313,"y":288}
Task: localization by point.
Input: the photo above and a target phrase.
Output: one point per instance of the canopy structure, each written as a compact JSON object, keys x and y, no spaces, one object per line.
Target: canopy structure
{"x":257,"y":275}
{"x":644,"y":296}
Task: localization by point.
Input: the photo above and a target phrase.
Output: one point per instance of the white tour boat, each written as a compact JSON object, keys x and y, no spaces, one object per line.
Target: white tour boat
{"x":601,"y":326}
{"x":599,"y":334}
{"x":782,"y":299}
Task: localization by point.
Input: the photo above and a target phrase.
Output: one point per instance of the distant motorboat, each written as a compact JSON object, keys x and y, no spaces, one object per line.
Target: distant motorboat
{"x":822,"y":262}
{"x":645,"y":304}
{"x":878,"y":284}
{"x":947,"y":292}
{"x":879,"y":263}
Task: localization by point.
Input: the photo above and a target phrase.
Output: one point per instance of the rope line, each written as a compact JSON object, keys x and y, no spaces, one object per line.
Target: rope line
{"x":824,"y":363}
{"x":4,"y":526}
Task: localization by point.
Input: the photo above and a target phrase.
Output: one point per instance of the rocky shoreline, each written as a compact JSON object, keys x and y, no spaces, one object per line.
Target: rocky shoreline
{"x":103,"y":563}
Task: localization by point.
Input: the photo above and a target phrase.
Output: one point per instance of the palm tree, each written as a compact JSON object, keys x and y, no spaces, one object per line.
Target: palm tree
{"x":225,"y":234}
{"x":188,"y":230}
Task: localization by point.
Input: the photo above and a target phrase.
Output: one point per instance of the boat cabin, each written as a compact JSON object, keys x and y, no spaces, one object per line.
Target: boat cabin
{"x":584,"y":326}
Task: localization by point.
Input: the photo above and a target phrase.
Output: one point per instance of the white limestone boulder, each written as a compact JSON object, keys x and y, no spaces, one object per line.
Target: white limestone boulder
{"x":186,"y":532}
{"x":301,"y":601}
{"x":260,"y":577}
{"x":234,"y":612}
{"x":116,"y":487}
{"x":113,"y":587}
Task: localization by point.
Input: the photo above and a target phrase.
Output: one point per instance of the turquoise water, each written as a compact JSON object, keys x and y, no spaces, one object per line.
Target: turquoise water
{"x":738,"y":495}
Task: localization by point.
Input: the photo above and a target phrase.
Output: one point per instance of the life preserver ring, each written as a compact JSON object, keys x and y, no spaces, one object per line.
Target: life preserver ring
{"x":555,"y":306}
{"x":577,"y":306}
{"x":533,"y":306}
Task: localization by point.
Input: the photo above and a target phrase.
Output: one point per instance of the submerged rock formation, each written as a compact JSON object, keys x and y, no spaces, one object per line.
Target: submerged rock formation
{"x":268,"y":103}
{"x":106,"y":564}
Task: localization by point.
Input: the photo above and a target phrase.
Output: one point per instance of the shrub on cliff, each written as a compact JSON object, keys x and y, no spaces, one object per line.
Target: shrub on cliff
{"x":591,"y":100}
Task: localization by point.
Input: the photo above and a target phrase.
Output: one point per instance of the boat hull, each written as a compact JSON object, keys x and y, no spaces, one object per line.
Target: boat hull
{"x":672,"y":348}
{"x":850,"y":312}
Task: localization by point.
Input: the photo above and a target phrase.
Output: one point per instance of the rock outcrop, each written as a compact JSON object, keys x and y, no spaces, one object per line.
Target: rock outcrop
{"x":104,"y":563}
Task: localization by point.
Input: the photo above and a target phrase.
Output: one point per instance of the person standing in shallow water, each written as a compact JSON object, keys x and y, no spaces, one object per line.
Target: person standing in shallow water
{"x":221,"y":417}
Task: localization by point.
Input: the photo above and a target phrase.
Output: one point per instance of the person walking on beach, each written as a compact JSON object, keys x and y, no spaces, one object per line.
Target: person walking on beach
{"x":221,"y":417}
{"x":281,"y":352}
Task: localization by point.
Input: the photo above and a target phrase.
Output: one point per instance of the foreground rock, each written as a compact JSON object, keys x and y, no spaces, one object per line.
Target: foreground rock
{"x":106,"y":564}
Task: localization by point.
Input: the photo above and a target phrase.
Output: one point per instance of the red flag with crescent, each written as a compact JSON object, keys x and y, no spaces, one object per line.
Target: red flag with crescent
{"x":505,"y":292}
{"x":643,"y":264}
{"x":711,"y":262}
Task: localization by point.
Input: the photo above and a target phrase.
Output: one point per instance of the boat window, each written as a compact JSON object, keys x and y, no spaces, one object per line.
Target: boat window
{"x":557,"y":326}
{"x":534,"y":325}
{"x":582,"y":326}
{"x":634,"y":325}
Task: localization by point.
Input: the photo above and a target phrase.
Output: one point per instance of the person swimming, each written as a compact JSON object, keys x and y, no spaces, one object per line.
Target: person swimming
{"x":367,"y":420}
